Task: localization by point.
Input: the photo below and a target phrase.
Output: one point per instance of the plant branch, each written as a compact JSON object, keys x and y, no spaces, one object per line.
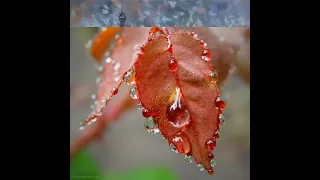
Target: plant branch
{"x":113,"y":113}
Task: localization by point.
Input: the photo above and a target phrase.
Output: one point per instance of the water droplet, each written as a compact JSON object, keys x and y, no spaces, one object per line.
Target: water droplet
{"x":173,"y":148}
{"x":133,"y":92}
{"x":188,"y":159}
{"x":103,"y":101}
{"x":93,"y":97}
{"x":220,"y":102}
{"x":117,"y":78}
{"x":108,"y":60}
{"x":214,"y":76}
{"x":222,"y":119}
{"x":99,"y":113}
{"x":177,"y":114}
{"x":173,"y":65}
{"x":140,"y":107}
{"x":216,"y":134}
{"x":107,"y":54}
{"x":116,"y":66}
{"x":213,"y":163}
{"x":163,"y":137}
{"x":150,"y":125}
{"x":100,"y":69}
{"x":211,"y":144}
{"x":114,"y":91}
{"x":95,"y":119}
{"x":200,"y":167}
{"x":82,"y":126}
{"x":88,"y":44}
{"x":206,"y":55}
{"x":210,"y":156}
{"x":203,"y":43}
{"x":178,"y":117}
{"x":98,"y":80}
{"x":206,"y":58}
{"x":128,"y":77}
{"x":194,"y":34}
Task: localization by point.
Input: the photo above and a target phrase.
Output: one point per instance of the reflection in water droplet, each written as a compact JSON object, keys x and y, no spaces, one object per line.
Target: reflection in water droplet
{"x":200,"y":167}
{"x":133,"y":92}
{"x":150,"y":125}
{"x":188,"y":159}
{"x":213,"y":163}
{"x":222,"y":119}
{"x":173,"y":148}
{"x":214,"y":76}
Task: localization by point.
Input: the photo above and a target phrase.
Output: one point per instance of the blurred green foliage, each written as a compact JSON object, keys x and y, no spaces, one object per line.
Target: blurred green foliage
{"x":84,"y":167}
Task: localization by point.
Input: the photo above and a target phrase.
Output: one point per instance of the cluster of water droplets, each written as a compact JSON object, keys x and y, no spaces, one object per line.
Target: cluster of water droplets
{"x":100,"y":69}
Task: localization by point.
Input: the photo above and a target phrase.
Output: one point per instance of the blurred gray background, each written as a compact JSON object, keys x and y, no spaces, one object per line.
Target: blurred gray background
{"x":126,"y":144}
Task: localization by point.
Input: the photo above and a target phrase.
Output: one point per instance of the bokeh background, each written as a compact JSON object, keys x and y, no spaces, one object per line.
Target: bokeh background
{"x":127,"y":145}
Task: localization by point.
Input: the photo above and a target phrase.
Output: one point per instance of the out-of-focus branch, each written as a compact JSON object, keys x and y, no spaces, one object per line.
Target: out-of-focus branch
{"x":113,"y":113}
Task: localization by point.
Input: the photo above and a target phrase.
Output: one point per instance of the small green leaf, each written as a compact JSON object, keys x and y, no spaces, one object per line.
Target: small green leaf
{"x":84,"y":167}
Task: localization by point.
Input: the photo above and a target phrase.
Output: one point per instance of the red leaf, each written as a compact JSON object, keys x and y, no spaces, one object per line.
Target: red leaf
{"x":176,"y":84}
{"x":102,"y":41}
{"x":116,"y":64}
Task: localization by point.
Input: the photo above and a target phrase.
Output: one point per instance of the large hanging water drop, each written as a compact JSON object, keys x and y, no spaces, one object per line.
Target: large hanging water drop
{"x":176,"y":113}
